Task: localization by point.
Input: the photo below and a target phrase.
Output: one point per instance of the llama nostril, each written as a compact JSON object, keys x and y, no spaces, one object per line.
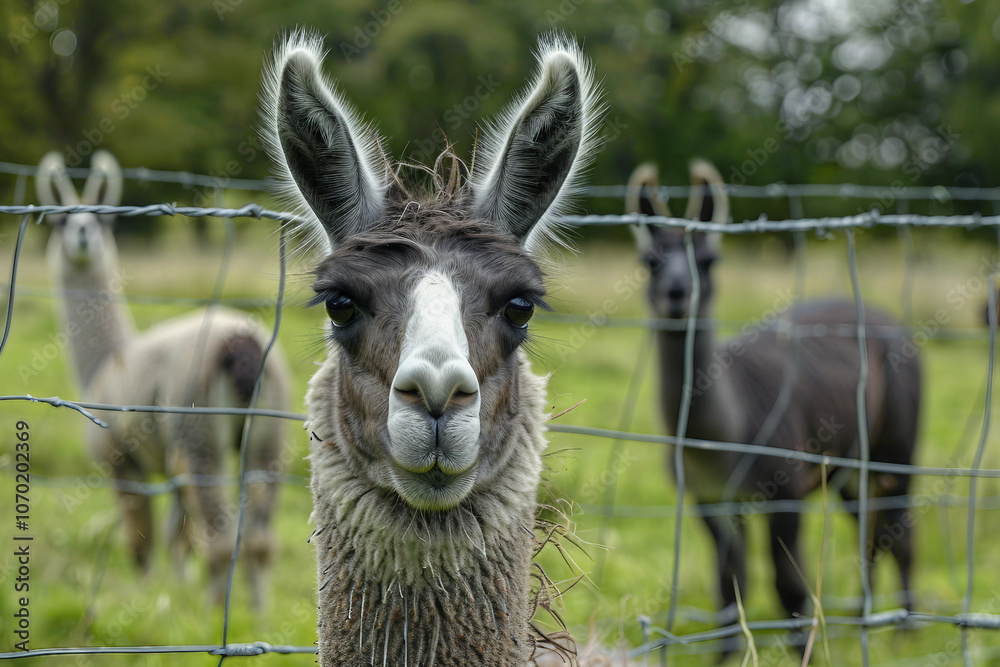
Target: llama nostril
{"x":416,"y":398}
{"x":463,"y":398}
{"x":411,"y":396}
{"x":435,"y":406}
{"x":676,"y":293}
{"x":435,"y":386}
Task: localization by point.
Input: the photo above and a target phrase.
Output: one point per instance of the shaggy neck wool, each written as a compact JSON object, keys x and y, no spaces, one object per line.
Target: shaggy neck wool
{"x":712,"y":396}
{"x":397,"y":586}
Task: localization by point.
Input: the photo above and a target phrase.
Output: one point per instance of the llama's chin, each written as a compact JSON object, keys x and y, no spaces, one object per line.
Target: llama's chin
{"x":80,"y":259}
{"x":434,"y":490}
{"x":671,"y":308}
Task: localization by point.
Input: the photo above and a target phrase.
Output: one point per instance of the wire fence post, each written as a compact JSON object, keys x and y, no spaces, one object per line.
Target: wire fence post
{"x":863,"y":445}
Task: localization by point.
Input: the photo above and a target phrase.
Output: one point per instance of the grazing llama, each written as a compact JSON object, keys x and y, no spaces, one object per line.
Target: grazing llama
{"x":737,"y":386}
{"x":427,"y":424}
{"x":207,"y":358}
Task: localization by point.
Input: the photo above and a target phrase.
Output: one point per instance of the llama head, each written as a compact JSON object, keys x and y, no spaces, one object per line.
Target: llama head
{"x":429,"y":297}
{"x":81,"y":239}
{"x":663,"y":248}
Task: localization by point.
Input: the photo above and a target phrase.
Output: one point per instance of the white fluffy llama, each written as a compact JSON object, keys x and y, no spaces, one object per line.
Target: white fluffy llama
{"x":427,"y":424}
{"x":207,"y":358}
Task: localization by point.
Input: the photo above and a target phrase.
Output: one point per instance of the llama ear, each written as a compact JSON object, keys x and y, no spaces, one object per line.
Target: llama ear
{"x":709,"y":200}
{"x":642,"y":196}
{"x":104,"y":185}
{"x":330,"y":164}
{"x":52,"y":185}
{"x":531,"y":160}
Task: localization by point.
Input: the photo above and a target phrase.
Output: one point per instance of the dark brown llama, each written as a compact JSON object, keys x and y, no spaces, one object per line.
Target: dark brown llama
{"x":427,"y":424}
{"x":736,"y":387}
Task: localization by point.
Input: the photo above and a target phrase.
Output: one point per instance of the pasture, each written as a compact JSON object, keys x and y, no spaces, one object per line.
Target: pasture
{"x":201,"y":102}
{"x":86,"y":593}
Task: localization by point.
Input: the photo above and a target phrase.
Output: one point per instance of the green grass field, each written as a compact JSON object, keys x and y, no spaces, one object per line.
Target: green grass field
{"x":84,"y":591}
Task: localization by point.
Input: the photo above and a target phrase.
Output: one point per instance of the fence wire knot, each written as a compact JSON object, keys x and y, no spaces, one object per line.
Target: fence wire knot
{"x":978,"y":620}
{"x":243,"y":650}
{"x":887,"y":617}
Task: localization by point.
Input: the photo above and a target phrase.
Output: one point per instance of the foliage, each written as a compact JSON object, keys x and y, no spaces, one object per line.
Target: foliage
{"x":802,"y":90}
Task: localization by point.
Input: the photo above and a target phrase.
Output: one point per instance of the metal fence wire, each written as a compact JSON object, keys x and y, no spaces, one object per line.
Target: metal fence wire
{"x":657,"y":640}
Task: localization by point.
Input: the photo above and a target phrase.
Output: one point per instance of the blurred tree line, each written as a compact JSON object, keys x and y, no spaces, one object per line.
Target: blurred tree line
{"x":868,"y":91}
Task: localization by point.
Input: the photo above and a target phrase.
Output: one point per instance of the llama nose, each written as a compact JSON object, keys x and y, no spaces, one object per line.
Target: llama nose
{"x":676,"y":293}
{"x":437,"y":379}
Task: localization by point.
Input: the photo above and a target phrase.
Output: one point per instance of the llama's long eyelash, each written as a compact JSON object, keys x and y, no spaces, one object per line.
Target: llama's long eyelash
{"x":540,"y":347}
{"x":535,"y":297}
{"x":329,"y":336}
{"x":324,"y":295}
{"x":314,"y":343}
{"x":320,"y":298}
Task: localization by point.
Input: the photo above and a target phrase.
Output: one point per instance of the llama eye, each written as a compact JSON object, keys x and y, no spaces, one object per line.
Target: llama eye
{"x":518,"y":311}
{"x":341,"y":310}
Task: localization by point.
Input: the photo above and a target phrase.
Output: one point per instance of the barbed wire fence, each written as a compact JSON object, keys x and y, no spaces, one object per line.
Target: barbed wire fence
{"x":657,"y":640}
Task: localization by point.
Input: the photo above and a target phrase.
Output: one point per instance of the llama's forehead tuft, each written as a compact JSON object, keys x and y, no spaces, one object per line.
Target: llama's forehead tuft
{"x":671,"y":239}
{"x":668,"y":236}
{"x":436,"y":227}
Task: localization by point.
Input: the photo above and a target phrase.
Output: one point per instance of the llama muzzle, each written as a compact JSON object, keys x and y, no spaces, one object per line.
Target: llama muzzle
{"x":434,"y":401}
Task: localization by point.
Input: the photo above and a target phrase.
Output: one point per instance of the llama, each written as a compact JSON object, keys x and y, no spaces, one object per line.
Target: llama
{"x":426,"y":422}
{"x":737,"y":386}
{"x":206,"y":358}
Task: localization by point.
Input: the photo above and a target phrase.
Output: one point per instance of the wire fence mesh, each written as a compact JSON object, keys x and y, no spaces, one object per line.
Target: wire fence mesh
{"x":656,"y":640}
